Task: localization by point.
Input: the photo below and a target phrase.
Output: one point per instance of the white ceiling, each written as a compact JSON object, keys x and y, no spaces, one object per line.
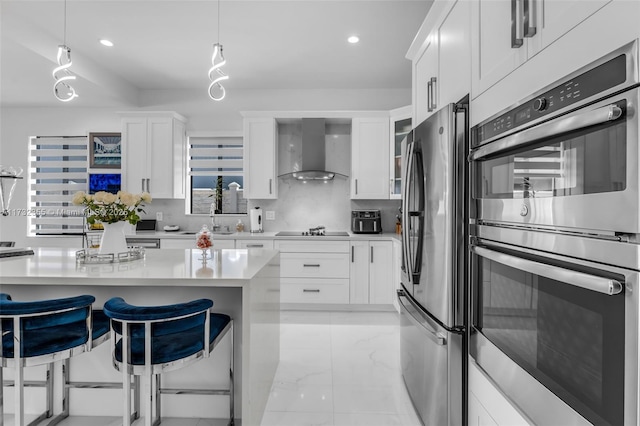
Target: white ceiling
{"x":298,"y":44}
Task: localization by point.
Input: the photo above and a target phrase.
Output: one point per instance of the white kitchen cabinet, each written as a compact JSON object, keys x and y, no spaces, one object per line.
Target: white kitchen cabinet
{"x":153,"y":153}
{"x":488,"y":406}
{"x":478,"y":415}
{"x":399,"y":127}
{"x":501,"y":44}
{"x":441,"y":65}
{"x":248,"y":244}
{"x":260,"y":158}
{"x":223,"y":244}
{"x":425,"y":69}
{"x":178,"y":243}
{"x":370,"y":158}
{"x":371,"y":272}
{"x":314,"y":271}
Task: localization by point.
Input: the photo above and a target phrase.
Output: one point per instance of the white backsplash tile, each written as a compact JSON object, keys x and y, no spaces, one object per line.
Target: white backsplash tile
{"x":299,"y":206}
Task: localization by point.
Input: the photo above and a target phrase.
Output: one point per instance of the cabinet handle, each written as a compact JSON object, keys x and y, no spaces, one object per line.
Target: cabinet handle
{"x":371,"y":254}
{"x":142,"y":184}
{"x":352,"y":254}
{"x":516,"y":25}
{"x":433,"y":105}
{"x":311,"y":290}
{"x":311,"y":265}
{"x":356,"y":180}
{"x":148,"y":186}
{"x":429,"y":83}
{"x":255,"y":245}
{"x":528,"y":19}
{"x":270,"y":180}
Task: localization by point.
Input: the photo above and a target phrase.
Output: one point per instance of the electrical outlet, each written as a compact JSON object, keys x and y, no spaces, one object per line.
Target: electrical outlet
{"x":159,"y":216}
{"x":271,"y":215}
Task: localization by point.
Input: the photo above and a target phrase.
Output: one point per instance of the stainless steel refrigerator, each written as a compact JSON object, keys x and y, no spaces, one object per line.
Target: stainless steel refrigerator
{"x":433,"y":297}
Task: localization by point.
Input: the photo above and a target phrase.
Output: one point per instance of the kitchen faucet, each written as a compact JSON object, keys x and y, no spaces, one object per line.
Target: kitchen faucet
{"x":212,"y":214}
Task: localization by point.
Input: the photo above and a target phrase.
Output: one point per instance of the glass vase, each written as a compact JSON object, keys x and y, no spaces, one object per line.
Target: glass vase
{"x":204,"y":241}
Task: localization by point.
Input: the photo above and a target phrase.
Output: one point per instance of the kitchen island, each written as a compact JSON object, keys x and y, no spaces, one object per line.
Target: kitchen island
{"x":244,"y":284}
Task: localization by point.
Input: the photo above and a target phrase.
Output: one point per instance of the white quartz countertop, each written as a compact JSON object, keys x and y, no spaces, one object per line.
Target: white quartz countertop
{"x":57,"y":266}
{"x":262,"y":236}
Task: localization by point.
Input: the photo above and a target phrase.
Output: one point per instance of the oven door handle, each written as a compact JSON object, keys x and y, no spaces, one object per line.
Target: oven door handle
{"x":590,"y":282}
{"x":553,"y":128}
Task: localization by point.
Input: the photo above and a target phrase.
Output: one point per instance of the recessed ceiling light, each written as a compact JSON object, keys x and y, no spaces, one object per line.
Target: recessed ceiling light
{"x":105,"y":42}
{"x":353,"y":39}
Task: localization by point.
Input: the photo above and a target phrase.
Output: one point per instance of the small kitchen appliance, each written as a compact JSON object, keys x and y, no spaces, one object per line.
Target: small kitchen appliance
{"x":366,"y":222}
{"x":255,"y":217}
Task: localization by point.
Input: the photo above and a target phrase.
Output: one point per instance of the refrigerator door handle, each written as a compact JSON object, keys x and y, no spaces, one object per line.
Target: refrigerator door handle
{"x":406,"y":225}
{"x":414,"y":315}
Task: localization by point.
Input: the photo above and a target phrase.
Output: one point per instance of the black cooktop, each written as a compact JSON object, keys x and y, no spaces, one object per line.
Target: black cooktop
{"x":311,"y":234}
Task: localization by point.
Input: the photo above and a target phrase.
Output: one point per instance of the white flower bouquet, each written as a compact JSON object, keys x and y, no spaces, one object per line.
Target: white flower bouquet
{"x":111,"y":208}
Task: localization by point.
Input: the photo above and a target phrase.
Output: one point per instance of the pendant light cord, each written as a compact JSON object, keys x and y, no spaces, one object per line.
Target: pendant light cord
{"x":218,"y":21}
{"x":64,"y":35}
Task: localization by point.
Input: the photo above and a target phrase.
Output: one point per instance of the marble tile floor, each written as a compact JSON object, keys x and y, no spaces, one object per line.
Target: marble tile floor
{"x":339,"y":369}
{"x":336,"y":369}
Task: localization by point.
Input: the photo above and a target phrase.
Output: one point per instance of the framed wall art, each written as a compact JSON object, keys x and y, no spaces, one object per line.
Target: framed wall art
{"x":105,"y":150}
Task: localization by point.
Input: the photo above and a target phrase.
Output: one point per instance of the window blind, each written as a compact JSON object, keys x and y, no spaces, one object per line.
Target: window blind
{"x":214,"y":161}
{"x":57,"y":169}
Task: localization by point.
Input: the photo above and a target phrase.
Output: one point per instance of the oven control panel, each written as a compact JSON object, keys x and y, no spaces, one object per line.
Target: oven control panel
{"x":596,"y":80}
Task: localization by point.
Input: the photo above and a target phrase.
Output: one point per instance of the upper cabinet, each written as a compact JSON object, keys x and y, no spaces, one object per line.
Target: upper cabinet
{"x":370,"y":158}
{"x":260,"y":158}
{"x":399,"y":127}
{"x":509,"y":33}
{"x":153,"y":146}
{"x":441,"y":58}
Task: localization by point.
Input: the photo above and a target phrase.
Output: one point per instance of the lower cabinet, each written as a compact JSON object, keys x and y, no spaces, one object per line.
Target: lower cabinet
{"x":314,"y":271}
{"x":371,"y":270}
{"x":487,"y":405}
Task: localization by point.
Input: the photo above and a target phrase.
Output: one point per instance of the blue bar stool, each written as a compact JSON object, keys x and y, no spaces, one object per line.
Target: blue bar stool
{"x":48,"y":331}
{"x":150,"y":340}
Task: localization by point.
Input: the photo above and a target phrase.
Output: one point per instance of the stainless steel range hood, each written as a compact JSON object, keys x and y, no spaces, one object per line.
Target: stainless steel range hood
{"x":304,"y":151}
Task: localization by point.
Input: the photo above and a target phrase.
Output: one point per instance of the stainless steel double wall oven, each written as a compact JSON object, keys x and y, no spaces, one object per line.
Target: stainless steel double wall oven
{"x":555,"y":247}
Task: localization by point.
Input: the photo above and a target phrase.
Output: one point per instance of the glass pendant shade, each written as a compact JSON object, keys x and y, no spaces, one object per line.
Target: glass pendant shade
{"x":8,"y":178}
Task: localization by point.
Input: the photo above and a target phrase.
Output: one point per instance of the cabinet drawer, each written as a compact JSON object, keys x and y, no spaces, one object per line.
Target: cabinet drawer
{"x":222,"y":244}
{"x":291,"y":246}
{"x":317,"y":265}
{"x":266,"y":244}
{"x":314,"y":290}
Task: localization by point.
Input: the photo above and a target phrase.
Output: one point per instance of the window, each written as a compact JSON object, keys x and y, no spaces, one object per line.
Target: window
{"x":57,"y":169}
{"x":215,"y":175}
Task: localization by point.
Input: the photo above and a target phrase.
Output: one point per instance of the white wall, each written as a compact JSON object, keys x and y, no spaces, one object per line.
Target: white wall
{"x":18,"y":124}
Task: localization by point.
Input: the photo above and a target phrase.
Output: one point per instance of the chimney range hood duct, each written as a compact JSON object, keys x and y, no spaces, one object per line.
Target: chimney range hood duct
{"x":305,"y":156}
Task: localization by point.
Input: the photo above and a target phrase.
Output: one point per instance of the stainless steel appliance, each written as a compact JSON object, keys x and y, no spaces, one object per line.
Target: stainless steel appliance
{"x":148,"y":243}
{"x":366,"y":222}
{"x":146,"y":225}
{"x":555,"y":247}
{"x":434,"y":242}
{"x":313,"y":232}
{"x":566,"y":156}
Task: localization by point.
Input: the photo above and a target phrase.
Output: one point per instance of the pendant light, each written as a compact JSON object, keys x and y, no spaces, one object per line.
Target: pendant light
{"x":216,"y":90}
{"x":62,"y":90}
